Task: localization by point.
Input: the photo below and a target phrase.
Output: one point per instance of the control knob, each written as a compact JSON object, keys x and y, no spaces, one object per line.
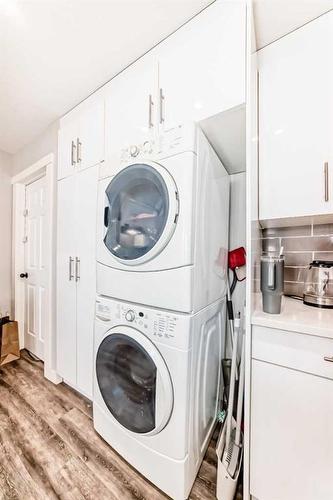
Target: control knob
{"x":130,"y":315}
{"x":147,"y":147}
{"x":134,"y":150}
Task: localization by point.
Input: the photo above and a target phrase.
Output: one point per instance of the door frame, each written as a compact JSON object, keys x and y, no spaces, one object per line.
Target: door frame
{"x":42,"y":168}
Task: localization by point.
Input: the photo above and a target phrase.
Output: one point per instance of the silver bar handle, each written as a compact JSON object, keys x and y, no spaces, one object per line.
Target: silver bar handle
{"x":161,"y":106}
{"x":73,"y":147}
{"x":78,"y":150}
{"x":328,"y":358}
{"x":70,"y":268}
{"x":326,"y":180}
{"x":77,"y":269}
{"x":150,"y":114}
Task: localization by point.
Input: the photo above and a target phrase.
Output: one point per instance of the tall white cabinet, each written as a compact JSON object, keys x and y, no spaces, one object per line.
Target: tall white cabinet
{"x":76,"y":282}
{"x":81,"y":149}
{"x":296,"y":123}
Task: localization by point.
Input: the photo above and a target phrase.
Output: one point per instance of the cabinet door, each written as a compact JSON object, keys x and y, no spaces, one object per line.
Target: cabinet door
{"x":296,"y":122}
{"x":131,"y":107}
{"x":291,"y":434}
{"x":67,"y":157}
{"x":85,"y":228}
{"x":202,"y":65}
{"x":66,"y":286}
{"x":91,"y":136}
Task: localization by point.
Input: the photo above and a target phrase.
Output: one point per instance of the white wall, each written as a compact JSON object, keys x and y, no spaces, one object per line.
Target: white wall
{"x":5,"y":232}
{"x":237,"y":231}
{"x":237,"y":238}
{"x":44,"y":144}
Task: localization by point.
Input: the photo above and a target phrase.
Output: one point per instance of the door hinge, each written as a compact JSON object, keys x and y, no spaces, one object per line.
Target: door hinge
{"x":25,"y":212}
{"x":25,"y":239}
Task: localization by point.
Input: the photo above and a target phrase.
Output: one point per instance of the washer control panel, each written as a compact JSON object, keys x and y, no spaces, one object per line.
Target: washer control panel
{"x":137,"y":151}
{"x":161,"y":326}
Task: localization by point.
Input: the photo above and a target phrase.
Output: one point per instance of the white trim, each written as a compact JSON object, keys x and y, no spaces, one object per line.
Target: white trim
{"x":43,"y":167}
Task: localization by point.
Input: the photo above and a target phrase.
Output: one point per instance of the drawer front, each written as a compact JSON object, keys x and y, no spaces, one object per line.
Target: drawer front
{"x":293,"y":350}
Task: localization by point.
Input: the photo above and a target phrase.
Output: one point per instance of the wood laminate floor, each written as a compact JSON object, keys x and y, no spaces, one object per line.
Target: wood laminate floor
{"x":49,"y":449}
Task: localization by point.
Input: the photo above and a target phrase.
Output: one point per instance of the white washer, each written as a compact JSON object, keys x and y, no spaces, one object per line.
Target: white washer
{"x":162,"y":226}
{"x":157,"y":386}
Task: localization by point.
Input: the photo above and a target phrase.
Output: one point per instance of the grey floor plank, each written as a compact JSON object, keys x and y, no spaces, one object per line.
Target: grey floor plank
{"x":49,"y":449}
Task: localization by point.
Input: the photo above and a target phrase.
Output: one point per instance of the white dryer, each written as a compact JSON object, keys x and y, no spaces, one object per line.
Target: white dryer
{"x":157,"y":386}
{"x":162,"y":228}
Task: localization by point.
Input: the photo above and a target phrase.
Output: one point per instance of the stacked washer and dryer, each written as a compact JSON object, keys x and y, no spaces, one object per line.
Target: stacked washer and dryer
{"x":162,"y":248}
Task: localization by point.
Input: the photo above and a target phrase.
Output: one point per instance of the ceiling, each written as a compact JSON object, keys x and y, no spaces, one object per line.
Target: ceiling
{"x":54,"y":53}
{"x":275,"y":18}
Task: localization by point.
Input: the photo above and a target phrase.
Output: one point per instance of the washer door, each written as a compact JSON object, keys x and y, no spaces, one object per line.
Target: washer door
{"x":140,"y":213}
{"x":134,"y":381}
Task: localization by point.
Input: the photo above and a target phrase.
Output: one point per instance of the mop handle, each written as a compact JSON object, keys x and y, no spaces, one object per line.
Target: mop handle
{"x":232,"y":382}
{"x":240,"y":395}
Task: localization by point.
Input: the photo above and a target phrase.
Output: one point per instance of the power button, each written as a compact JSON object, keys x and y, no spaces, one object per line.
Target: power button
{"x":130,"y":315}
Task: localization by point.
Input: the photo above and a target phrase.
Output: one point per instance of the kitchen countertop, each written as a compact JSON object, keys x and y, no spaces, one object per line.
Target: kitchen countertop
{"x":295,"y":317}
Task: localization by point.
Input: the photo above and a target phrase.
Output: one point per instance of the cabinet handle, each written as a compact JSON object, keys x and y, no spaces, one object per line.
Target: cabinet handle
{"x":77,"y":269}
{"x":326,"y":180}
{"x":70,"y":268}
{"x":328,"y":358}
{"x":150,"y":114}
{"x":161,"y":106}
{"x":78,"y":150}
{"x":73,"y":162}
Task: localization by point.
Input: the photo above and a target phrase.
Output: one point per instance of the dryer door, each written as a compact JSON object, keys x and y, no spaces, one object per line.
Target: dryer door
{"x":134,"y":381}
{"x":140,"y":213}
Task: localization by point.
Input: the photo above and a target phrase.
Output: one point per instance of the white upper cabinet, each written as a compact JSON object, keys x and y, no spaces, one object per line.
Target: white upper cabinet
{"x":67,"y":136}
{"x":202,"y":65}
{"x":195,"y":73}
{"x":131,"y":107}
{"x":81,"y":139}
{"x":296,"y":123}
{"x":91,"y":136}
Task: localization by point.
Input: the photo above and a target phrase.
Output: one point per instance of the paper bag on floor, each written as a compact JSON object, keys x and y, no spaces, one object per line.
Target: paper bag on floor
{"x":9,"y":341}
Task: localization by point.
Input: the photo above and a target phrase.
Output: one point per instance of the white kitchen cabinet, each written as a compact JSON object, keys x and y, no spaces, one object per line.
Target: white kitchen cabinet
{"x":197,"y":72}
{"x":296,"y":123}
{"x":67,"y":144}
{"x":66,"y":286}
{"x":81,"y":139}
{"x":291,"y":435}
{"x":76,"y":287}
{"x":131,"y":107}
{"x":202,"y":65}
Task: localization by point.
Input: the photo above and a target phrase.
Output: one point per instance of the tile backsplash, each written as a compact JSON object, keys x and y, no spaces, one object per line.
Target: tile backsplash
{"x":301,"y":244}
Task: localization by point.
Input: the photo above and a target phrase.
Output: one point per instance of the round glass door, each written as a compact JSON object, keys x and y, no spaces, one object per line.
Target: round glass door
{"x":133,"y":384}
{"x":137,"y":211}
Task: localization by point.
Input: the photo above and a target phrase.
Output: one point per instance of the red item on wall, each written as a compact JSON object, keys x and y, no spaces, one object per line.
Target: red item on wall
{"x":237,"y":258}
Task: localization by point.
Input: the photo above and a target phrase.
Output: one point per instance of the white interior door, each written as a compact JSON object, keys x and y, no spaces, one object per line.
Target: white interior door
{"x":35,"y":272}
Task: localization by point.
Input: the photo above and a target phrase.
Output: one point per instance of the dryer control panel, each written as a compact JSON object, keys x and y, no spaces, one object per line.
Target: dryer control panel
{"x":158,"y":325}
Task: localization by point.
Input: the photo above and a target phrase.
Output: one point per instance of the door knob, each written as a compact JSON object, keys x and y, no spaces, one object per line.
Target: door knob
{"x":23,"y":275}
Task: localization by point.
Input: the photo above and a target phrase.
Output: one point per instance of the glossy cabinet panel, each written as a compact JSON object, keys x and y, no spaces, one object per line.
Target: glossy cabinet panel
{"x":202,"y":65}
{"x":296,"y":123}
